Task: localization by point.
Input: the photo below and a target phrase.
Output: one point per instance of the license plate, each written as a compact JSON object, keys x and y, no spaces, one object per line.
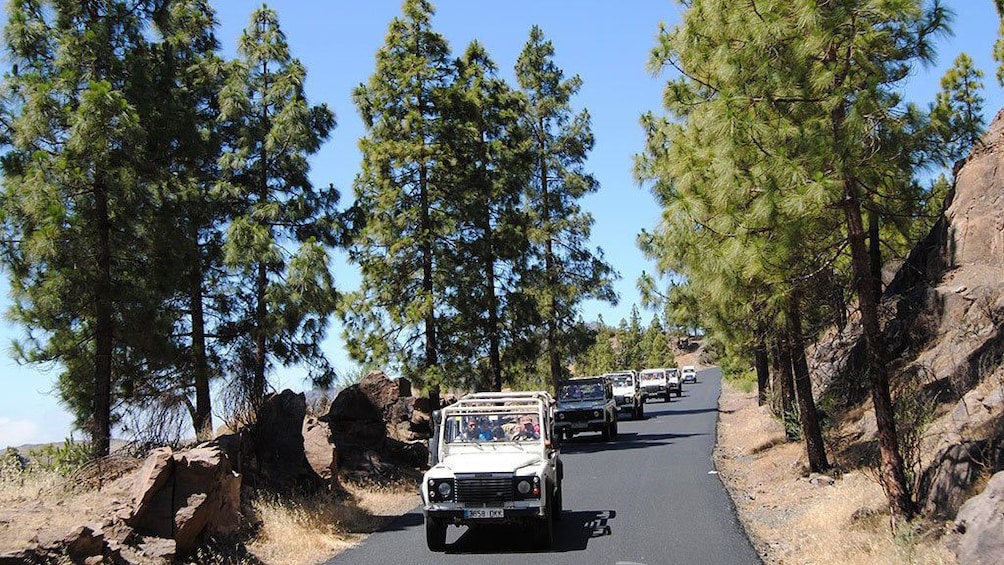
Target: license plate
{"x":579,"y":425}
{"x":477,"y":513}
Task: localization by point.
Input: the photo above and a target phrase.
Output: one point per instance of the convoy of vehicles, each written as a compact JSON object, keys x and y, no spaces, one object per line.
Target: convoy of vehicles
{"x":495,"y":457}
{"x":586,"y":405}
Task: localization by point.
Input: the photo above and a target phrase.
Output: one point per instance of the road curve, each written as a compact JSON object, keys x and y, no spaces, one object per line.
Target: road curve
{"x":651,"y":496}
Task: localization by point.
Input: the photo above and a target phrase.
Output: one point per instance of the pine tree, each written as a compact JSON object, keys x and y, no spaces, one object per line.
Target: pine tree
{"x":562,"y":271}
{"x":399,"y":235}
{"x":957,"y":114}
{"x":762,"y":150}
{"x":490,"y":167}
{"x":76,"y":205}
{"x":282,"y":225}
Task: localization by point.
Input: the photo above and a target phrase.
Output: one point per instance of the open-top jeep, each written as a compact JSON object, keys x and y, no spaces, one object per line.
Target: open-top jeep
{"x":586,"y":405}
{"x":655,"y":383}
{"x":494,"y":463}
{"x":674,"y":381}
{"x":627,"y":392}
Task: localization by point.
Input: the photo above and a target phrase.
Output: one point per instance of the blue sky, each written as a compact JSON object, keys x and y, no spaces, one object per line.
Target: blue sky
{"x":606,"y":43}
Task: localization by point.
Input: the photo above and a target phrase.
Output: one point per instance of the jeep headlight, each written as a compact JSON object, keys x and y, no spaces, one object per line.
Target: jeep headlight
{"x":440,"y":489}
{"x":445,"y":489}
{"x":596,"y":413}
{"x":561,"y":415}
{"x":527,"y":487}
{"x":524,"y":487}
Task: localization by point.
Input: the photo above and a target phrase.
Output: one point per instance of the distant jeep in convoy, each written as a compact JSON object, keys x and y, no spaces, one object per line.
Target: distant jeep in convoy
{"x":655,"y":384}
{"x":674,"y":381}
{"x":690,"y":374}
{"x":627,"y":392}
{"x":586,"y":404}
{"x":494,"y":463}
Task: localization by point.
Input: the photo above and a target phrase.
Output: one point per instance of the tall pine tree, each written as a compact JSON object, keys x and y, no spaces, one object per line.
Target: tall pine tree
{"x":563,"y":270}
{"x":282,"y":225}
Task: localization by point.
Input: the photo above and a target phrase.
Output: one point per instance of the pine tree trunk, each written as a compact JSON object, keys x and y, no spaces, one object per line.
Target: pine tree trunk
{"x":554,"y":360}
{"x":203,"y":416}
{"x":809,"y":417}
{"x":101,"y":431}
{"x":762,"y":365}
{"x":891,"y":472}
{"x":494,"y":354}
{"x":875,"y":254}
{"x":787,"y":382}
{"x":431,"y":348}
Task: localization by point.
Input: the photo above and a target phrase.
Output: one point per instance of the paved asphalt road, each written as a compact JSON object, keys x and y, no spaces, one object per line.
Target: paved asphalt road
{"x":648,"y":497}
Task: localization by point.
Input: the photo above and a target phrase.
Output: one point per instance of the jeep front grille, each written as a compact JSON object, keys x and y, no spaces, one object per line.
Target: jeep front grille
{"x":485,"y":489}
{"x":578,"y":416}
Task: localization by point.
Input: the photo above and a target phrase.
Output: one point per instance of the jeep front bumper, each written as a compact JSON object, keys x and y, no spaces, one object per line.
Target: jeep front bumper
{"x":581,"y":426}
{"x":512,"y":513}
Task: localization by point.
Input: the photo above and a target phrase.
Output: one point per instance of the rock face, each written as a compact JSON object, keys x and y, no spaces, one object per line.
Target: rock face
{"x":181,"y":495}
{"x":954,"y":470}
{"x":943,"y":322}
{"x":980,"y":524}
{"x":377,"y":426}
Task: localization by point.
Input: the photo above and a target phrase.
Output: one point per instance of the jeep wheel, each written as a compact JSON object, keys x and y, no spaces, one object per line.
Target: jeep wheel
{"x":544,"y":530}
{"x":435,"y":534}
{"x":556,"y":506}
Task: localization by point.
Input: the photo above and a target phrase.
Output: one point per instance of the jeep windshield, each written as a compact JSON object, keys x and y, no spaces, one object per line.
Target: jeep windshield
{"x":482,"y":427}
{"x":623,"y":381}
{"x":653,"y":376}
{"x":581,"y":391}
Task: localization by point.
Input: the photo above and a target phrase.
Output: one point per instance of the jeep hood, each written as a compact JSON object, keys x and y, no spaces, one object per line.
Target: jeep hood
{"x":590,"y":404}
{"x":489,"y":462}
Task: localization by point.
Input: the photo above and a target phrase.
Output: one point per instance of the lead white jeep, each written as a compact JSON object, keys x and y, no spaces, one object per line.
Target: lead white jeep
{"x":494,"y":463}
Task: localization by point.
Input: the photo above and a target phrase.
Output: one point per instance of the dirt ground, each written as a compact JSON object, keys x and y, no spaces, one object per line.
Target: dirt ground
{"x":793,"y":518}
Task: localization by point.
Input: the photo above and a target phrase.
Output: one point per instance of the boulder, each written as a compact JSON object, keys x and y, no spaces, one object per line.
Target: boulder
{"x":377,"y":425}
{"x":280,"y":461}
{"x":980,"y":525}
{"x":181,"y":495}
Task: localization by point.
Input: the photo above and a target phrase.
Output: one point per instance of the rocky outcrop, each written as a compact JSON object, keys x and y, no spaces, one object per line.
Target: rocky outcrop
{"x":980,"y":524}
{"x":182,"y":495}
{"x":377,"y":427}
{"x":279,"y":461}
{"x":955,"y":469}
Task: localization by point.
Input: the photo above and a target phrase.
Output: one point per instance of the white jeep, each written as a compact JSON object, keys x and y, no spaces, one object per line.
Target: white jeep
{"x":628,"y":393}
{"x":494,"y":463}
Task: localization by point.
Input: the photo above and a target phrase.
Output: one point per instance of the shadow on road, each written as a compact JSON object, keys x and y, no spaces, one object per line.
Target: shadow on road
{"x":624,"y":441}
{"x":410,"y":520}
{"x":572,"y":533}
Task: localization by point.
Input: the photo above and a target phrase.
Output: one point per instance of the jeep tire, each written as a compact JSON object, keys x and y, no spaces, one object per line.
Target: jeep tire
{"x":543,"y":530}
{"x":556,"y":505}
{"x":435,"y":533}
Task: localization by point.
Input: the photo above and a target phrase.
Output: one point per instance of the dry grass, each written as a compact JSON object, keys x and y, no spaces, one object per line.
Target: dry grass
{"x":312,"y":530}
{"x":791,"y":520}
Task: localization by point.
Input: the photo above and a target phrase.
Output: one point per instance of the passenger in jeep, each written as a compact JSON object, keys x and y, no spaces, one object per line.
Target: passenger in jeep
{"x":528,"y":431}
